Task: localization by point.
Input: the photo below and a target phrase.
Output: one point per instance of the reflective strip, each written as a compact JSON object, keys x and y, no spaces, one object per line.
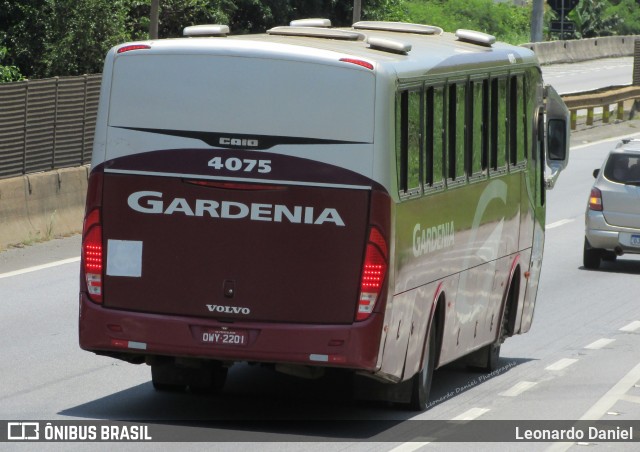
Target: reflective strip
{"x":138,"y":345}
{"x":320,"y":358}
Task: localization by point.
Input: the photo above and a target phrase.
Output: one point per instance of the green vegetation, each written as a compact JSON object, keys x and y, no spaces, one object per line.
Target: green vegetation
{"x":45,"y":38}
{"x":8,"y":73}
{"x":628,"y":13}
{"x":507,"y":22}
{"x":592,"y":20}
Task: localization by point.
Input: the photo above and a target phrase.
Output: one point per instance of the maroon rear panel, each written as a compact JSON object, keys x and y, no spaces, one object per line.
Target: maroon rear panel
{"x":269,"y":251}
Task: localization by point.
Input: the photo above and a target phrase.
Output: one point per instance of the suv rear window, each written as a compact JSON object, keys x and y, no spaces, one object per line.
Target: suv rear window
{"x":623,"y":168}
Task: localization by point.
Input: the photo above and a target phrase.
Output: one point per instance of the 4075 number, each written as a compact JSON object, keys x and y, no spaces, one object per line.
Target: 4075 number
{"x":244,"y":165}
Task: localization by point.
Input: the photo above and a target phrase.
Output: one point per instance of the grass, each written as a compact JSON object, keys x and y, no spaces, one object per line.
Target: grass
{"x":506,"y":21}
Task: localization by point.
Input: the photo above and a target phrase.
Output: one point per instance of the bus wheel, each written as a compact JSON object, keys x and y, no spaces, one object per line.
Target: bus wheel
{"x":421,"y":382}
{"x":486,"y":359}
{"x":210,"y":380}
{"x":167,"y":378}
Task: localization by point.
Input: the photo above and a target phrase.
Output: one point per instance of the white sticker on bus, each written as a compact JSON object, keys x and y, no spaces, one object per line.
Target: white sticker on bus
{"x":152,"y":202}
{"x":124,"y":258}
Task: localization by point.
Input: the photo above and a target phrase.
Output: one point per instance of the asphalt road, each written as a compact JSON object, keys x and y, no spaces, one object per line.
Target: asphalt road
{"x":580,"y":359}
{"x":589,"y":75}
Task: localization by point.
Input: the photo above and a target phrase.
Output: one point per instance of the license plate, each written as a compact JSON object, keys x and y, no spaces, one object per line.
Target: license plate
{"x":635,"y":240}
{"x":225,"y":337}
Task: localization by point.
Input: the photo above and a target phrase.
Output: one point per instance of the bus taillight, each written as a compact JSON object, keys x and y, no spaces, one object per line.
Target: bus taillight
{"x":92,"y":255}
{"x":374,"y":270}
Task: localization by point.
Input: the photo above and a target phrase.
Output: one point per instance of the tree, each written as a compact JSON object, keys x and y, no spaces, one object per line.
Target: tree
{"x":8,"y":73}
{"x":175,"y":15}
{"x":22,"y":32}
{"x":45,"y":38}
{"x":255,"y":16}
{"x":80,"y":32}
{"x":629,"y":12}
{"x":591,"y":20}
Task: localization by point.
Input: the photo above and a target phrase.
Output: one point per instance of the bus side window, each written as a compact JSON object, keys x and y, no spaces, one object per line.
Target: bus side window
{"x":478,"y":138}
{"x":516,"y":120}
{"x":439,"y":149}
{"x":486,"y":123}
{"x":429,"y":137}
{"x":522,"y":120}
{"x":408,"y":141}
{"x":498,"y":123}
{"x":402,"y":138}
{"x":456,"y":131}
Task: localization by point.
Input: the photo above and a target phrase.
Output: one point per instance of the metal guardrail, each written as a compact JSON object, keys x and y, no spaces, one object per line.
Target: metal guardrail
{"x":601,"y":98}
{"x":47,"y":124}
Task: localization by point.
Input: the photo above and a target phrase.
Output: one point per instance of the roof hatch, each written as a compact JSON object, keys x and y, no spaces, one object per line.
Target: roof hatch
{"x":317,"y":32}
{"x":398,"y":27}
{"x":310,"y":23}
{"x":475,"y":37}
{"x":206,"y":30}
{"x":389,"y":45}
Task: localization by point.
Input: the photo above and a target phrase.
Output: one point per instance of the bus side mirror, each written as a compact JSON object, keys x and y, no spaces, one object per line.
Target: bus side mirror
{"x":557,"y":134}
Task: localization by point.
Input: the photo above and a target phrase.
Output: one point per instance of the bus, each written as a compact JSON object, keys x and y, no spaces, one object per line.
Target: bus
{"x":369,"y":198}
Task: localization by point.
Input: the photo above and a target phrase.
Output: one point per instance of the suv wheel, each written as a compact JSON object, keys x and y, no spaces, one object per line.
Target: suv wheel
{"x":591,"y":256}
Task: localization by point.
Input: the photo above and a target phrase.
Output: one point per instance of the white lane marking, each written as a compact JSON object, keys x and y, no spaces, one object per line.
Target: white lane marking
{"x":608,"y":140}
{"x":518,"y":388}
{"x":600,"y":343}
{"x":631,"y":398}
{"x":39,"y":267}
{"x":630,"y":328}
{"x":561,"y":364}
{"x":471,"y":414}
{"x":559,"y":223}
{"x":408,"y":447}
{"x":468,"y":415}
{"x":602,"y":406}
{"x":613,"y":395}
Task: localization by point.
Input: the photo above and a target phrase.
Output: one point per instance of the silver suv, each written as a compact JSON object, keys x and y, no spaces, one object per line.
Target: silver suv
{"x":613,"y":212}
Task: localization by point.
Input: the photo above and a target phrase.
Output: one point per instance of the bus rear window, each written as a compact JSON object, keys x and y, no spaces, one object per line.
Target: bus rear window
{"x":229,"y":94}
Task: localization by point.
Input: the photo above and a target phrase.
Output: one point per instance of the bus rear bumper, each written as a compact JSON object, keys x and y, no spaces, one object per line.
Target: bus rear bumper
{"x":133,"y":336}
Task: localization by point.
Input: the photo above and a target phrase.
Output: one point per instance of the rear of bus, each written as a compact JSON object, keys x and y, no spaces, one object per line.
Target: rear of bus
{"x":231,"y":213}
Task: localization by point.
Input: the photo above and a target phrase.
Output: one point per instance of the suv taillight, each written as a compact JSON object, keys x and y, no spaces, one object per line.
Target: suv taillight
{"x":374,"y":271}
{"x":595,"y":200}
{"x":92,"y":255}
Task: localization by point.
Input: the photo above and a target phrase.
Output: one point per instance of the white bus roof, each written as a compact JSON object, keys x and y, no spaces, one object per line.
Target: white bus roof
{"x":428,"y":52}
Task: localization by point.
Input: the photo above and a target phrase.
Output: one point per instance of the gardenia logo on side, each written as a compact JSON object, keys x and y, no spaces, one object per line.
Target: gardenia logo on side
{"x":152,"y":202}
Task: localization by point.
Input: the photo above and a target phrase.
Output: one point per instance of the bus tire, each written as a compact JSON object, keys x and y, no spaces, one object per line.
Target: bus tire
{"x":211,"y":381}
{"x":167,"y":378}
{"x":421,"y":382}
{"x":486,"y":359}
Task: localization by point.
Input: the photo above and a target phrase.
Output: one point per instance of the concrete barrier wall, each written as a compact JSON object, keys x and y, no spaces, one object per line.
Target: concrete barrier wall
{"x":42,"y":206}
{"x":556,"y":52}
